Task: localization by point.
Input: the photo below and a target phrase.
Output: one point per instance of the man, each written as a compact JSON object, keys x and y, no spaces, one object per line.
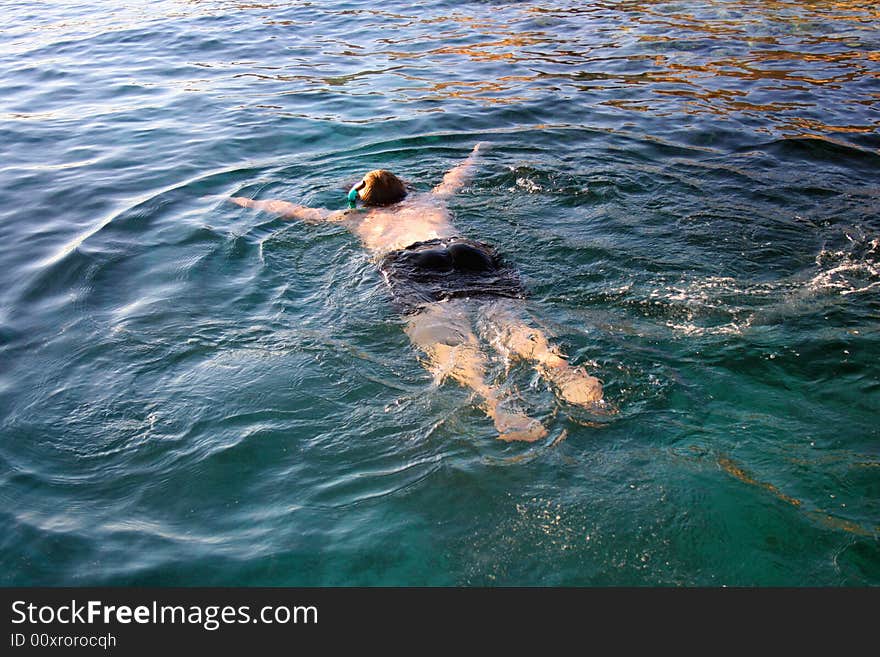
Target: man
{"x":440,"y":280}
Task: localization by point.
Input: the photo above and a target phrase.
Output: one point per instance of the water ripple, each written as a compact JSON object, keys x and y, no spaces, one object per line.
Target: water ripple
{"x":195,"y":393}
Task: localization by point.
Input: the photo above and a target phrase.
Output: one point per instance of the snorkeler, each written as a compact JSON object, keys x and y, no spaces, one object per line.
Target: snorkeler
{"x":433,"y":273}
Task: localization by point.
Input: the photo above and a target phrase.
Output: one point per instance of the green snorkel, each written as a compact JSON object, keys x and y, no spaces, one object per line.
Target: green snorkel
{"x":353,"y":194}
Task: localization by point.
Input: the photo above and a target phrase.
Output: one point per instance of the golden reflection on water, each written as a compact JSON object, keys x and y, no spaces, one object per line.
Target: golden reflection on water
{"x":828,"y":520}
{"x":730,"y":467}
{"x":802,"y":68}
{"x":755,"y":59}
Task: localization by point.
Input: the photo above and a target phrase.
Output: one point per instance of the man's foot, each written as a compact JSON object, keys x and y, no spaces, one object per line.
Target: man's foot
{"x":518,"y":426}
{"x":573,"y":384}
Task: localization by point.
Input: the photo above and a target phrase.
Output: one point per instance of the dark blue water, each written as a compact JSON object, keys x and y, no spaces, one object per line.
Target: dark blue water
{"x":194,"y":393}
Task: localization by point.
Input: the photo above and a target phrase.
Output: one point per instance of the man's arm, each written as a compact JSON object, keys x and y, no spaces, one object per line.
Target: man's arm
{"x":456,"y":177}
{"x":288,"y":210}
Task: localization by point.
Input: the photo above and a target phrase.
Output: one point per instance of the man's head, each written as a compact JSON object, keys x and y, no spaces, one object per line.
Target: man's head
{"x":380,"y":187}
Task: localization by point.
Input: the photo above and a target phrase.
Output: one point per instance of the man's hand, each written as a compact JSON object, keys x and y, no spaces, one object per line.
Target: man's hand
{"x":456,"y":177}
{"x":241,"y":200}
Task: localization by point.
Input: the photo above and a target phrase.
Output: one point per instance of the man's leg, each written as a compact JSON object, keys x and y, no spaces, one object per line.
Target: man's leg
{"x":442,"y":331}
{"x":511,"y":335}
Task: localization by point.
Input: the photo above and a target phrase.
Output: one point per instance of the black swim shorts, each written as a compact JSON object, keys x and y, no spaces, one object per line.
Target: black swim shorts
{"x":448,"y":268}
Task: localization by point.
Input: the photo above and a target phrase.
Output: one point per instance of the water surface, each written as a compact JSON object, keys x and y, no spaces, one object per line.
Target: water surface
{"x":193,"y":393}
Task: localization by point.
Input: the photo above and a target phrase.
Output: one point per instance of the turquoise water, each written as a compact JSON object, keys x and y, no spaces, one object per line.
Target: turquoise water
{"x":194,"y":393}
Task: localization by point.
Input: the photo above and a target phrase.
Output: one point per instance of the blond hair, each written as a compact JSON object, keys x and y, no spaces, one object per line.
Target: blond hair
{"x":382,"y":187}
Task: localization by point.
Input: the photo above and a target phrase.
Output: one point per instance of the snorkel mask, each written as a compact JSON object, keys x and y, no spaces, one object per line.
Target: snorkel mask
{"x":353,"y":194}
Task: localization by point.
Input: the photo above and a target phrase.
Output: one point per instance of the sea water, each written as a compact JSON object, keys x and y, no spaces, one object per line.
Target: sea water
{"x":196,"y":393}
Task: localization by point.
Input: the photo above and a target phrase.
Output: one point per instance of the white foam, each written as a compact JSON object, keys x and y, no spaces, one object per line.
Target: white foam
{"x":844,"y":273}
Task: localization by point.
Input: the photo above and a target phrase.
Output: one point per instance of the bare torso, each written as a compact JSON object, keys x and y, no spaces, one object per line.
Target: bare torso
{"x":418,"y":218}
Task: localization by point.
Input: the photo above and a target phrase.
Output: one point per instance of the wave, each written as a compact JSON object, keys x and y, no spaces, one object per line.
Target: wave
{"x":725,"y":305}
{"x":824,"y":149}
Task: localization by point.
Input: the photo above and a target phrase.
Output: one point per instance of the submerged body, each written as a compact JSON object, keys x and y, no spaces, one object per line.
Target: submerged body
{"x":433,"y":274}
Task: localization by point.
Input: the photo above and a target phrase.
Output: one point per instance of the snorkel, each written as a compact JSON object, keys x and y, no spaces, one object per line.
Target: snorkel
{"x":353,"y":194}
